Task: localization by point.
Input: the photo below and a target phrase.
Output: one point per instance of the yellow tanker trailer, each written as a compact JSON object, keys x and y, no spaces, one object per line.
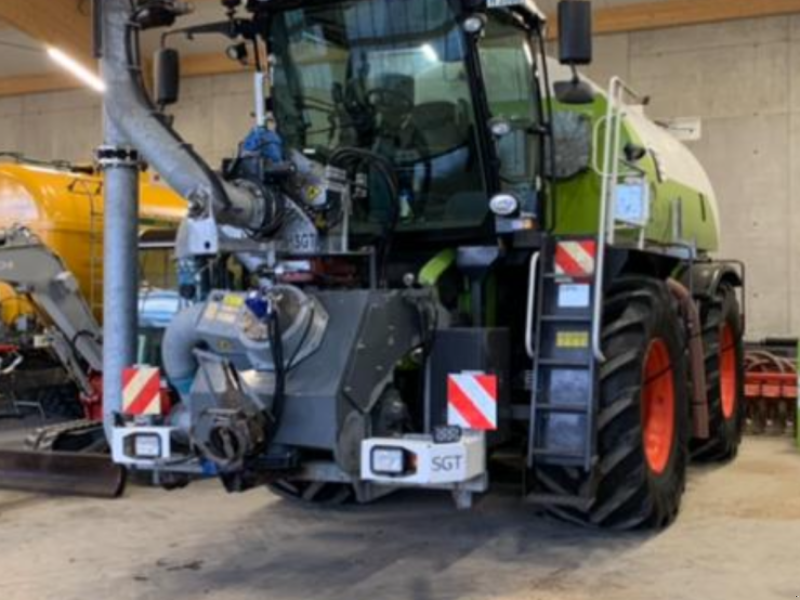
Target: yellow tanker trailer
{"x":63,"y":205}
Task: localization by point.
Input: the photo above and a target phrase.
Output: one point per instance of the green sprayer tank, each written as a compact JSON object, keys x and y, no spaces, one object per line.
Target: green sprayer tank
{"x":683,"y":206}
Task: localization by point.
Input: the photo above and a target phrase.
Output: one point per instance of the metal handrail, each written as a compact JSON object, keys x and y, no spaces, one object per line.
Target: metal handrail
{"x":597,"y":312}
{"x":610,"y":175}
{"x":596,"y":167}
{"x":532,"y":278}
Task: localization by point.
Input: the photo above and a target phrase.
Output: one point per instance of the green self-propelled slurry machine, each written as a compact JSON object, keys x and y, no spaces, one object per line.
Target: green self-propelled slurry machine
{"x":438,"y":260}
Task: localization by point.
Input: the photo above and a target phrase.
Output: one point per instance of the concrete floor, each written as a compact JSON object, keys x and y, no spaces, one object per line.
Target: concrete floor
{"x":738,"y":537}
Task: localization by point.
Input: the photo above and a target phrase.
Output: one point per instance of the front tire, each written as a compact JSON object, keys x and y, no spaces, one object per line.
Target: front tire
{"x":642,"y":421}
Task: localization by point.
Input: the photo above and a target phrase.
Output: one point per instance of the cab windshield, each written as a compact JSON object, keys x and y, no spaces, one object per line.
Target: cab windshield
{"x":388,"y":77}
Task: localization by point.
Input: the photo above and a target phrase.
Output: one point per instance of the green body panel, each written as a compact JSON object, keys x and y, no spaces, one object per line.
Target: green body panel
{"x":578,"y":204}
{"x":436,"y":267}
{"x":431,"y":273}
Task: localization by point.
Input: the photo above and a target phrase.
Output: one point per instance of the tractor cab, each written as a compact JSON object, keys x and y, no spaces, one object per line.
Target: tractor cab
{"x":446,"y":94}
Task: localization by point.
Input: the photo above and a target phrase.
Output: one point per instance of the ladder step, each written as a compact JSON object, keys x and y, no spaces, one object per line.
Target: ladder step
{"x":566,"y":364}
{"x":562,"y":458}
{"x":565,"y":456}
{"x":577,"y":502}
{"x":567,"y":319}
{"x":571,"y":409}
{"x":551,"y":275}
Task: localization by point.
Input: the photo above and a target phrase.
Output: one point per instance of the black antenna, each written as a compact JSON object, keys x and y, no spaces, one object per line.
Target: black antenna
{"x":97,"y":28}
{"x":231,"y":6}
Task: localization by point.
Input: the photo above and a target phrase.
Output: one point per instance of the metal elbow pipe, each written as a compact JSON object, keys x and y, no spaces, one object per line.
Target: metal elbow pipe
{"x":129,"y":107}
{"x":177,"y":349}
{"x":180,"y":365}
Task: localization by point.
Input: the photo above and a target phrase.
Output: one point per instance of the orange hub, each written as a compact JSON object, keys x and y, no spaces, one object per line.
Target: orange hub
{"x":658,"y":406}
{"x":727,"y":371}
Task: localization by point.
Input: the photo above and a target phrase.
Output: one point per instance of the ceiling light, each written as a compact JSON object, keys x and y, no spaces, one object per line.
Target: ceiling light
{"x":76,"y":69}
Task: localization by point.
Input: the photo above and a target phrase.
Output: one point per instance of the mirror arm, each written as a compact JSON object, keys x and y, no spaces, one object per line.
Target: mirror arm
{"x":232,"y":29}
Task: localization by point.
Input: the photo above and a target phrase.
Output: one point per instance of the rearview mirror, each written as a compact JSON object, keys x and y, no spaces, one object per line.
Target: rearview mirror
{"x":167,"y":74}
{"x":575,"y":32}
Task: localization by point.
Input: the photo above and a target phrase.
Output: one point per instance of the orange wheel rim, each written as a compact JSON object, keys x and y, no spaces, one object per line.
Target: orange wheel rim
{"x":727,"y":371}
{"x":658,"y":406}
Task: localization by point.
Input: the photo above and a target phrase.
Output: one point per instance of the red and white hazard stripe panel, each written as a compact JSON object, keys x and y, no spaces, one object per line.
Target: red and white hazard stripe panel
{"x":576,"y":259}
{"x":141,"y":391}
{"x":472,"y":401}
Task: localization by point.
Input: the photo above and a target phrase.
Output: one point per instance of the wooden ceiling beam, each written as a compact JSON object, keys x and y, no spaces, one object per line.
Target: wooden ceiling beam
{"x":650,"y":15}
{"x":66,"y":24}
{"x":201,"y":65}
{"x":60,"y":23}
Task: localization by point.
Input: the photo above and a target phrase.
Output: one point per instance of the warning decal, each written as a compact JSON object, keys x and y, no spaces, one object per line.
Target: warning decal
{"x":141,"y":391}
{"x":576,"y":259}
{"x":472,"y":401}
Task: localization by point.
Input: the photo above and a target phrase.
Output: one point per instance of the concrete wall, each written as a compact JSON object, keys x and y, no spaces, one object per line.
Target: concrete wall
{"x":741,"y":78}
{"x":214,"y":114}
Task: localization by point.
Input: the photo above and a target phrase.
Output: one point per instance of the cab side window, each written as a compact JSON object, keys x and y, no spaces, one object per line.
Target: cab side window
{"x":509,"y":70}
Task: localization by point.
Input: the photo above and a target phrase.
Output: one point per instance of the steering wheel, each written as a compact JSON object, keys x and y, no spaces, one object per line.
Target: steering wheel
{"x":386,"y":99}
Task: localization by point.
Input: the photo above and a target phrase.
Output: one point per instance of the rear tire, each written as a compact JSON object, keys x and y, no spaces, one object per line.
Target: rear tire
{"x":642,"y":437}
{"x":724,"y":359}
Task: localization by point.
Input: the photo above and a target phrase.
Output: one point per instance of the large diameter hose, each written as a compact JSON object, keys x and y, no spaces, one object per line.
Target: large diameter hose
{"x":128,"y":106}
{"x":177,"y":349}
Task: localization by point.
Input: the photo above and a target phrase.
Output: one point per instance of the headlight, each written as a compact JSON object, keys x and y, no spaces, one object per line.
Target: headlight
{"x":388,"y":461}
{"x":147,"y":446}
{"x":504,"y":205}
{"x":474,"y":23}
{"x":501,"y":128}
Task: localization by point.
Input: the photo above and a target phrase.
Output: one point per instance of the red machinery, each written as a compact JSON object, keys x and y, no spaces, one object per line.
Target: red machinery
{"x":771,"y":387}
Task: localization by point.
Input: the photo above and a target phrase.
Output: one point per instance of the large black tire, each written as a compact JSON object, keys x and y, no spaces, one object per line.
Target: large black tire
{"x":724,"y":359}
{"x":314,"y":493}
{"x":629,"y":493}
{"x":62,"y":403}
